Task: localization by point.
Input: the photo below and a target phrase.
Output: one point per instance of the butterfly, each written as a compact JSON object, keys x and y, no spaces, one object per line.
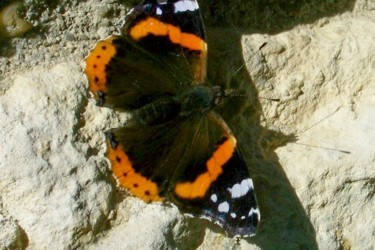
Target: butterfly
{"x":175,"y":148}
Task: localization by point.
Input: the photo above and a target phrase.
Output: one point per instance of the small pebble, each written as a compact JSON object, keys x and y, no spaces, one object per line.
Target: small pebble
{"x":11,"y":25}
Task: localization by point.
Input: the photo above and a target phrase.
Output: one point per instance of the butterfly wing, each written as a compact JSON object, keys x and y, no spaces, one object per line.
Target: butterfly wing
{"x":193,"y":163}
{"x":178,"y":26}
{"x":218,"y":187}
{"x":157,"y":54}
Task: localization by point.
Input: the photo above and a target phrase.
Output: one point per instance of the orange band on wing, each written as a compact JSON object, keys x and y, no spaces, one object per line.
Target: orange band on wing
{"x":96,"y":64}
{"x":158,"y":28}
{"x":126,"y":176}
{"x":199,"y":187}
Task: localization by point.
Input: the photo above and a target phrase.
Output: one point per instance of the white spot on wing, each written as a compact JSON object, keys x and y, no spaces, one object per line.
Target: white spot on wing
{"x":254,"y":211}
{"x":158,"y":11}
{"x":233,"y":215}
{"x":223,"y":207}
{"x":214,"y":198}
{"x":241,"y":189}
{"x":243,"y":217}
{"x":185,"y":5}
{"x":195,"y":5}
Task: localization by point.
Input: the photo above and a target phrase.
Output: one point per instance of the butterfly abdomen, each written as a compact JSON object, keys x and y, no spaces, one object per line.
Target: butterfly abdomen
{"x":157,"y":112}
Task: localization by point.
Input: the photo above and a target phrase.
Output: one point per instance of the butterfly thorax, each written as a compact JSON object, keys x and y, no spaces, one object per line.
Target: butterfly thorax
{"x":198,"y":99}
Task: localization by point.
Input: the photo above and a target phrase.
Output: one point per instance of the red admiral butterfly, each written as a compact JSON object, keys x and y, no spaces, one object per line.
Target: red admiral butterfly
{"x":175,"y":148}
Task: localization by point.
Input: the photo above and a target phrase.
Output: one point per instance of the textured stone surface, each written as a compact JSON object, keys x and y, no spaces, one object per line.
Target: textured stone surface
{"x":56,"y":195}
{"x":56,"y":189}
{"x":323,"y":75}
{"x":11,"y":235}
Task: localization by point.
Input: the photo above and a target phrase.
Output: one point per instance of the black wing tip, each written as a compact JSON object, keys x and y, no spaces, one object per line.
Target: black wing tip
{"x":234,"y":231}
{"x":245,"y":232}
{"x":242,"y":232}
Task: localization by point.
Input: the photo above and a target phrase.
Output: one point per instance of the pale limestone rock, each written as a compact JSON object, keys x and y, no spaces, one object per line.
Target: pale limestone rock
{"x":55,"y":194}
{"x":324,"y":77}
{"x":55,"y":184}
{"x":11,"y":235}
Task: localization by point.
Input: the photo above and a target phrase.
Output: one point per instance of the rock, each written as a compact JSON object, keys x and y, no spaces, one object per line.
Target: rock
{"x":315,"y":193}
{"x":11,"y":235}
{"x":326,"y":85}
{"x":47,"y":184}
{"x":11,"y":25}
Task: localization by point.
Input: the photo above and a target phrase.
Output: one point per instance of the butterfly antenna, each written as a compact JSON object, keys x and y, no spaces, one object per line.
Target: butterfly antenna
{"x":243,"y":65}
{"x":233,"y":93}
{"x":295,"y":136}
{"x":316,"y":123}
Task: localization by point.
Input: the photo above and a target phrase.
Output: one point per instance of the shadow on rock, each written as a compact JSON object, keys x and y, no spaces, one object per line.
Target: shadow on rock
{"x":284,"y":223}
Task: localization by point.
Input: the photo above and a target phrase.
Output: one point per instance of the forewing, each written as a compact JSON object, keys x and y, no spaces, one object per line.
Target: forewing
{"x":158,"y":53}
{"x":173,"y":27}
{"x":124,"y":76}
